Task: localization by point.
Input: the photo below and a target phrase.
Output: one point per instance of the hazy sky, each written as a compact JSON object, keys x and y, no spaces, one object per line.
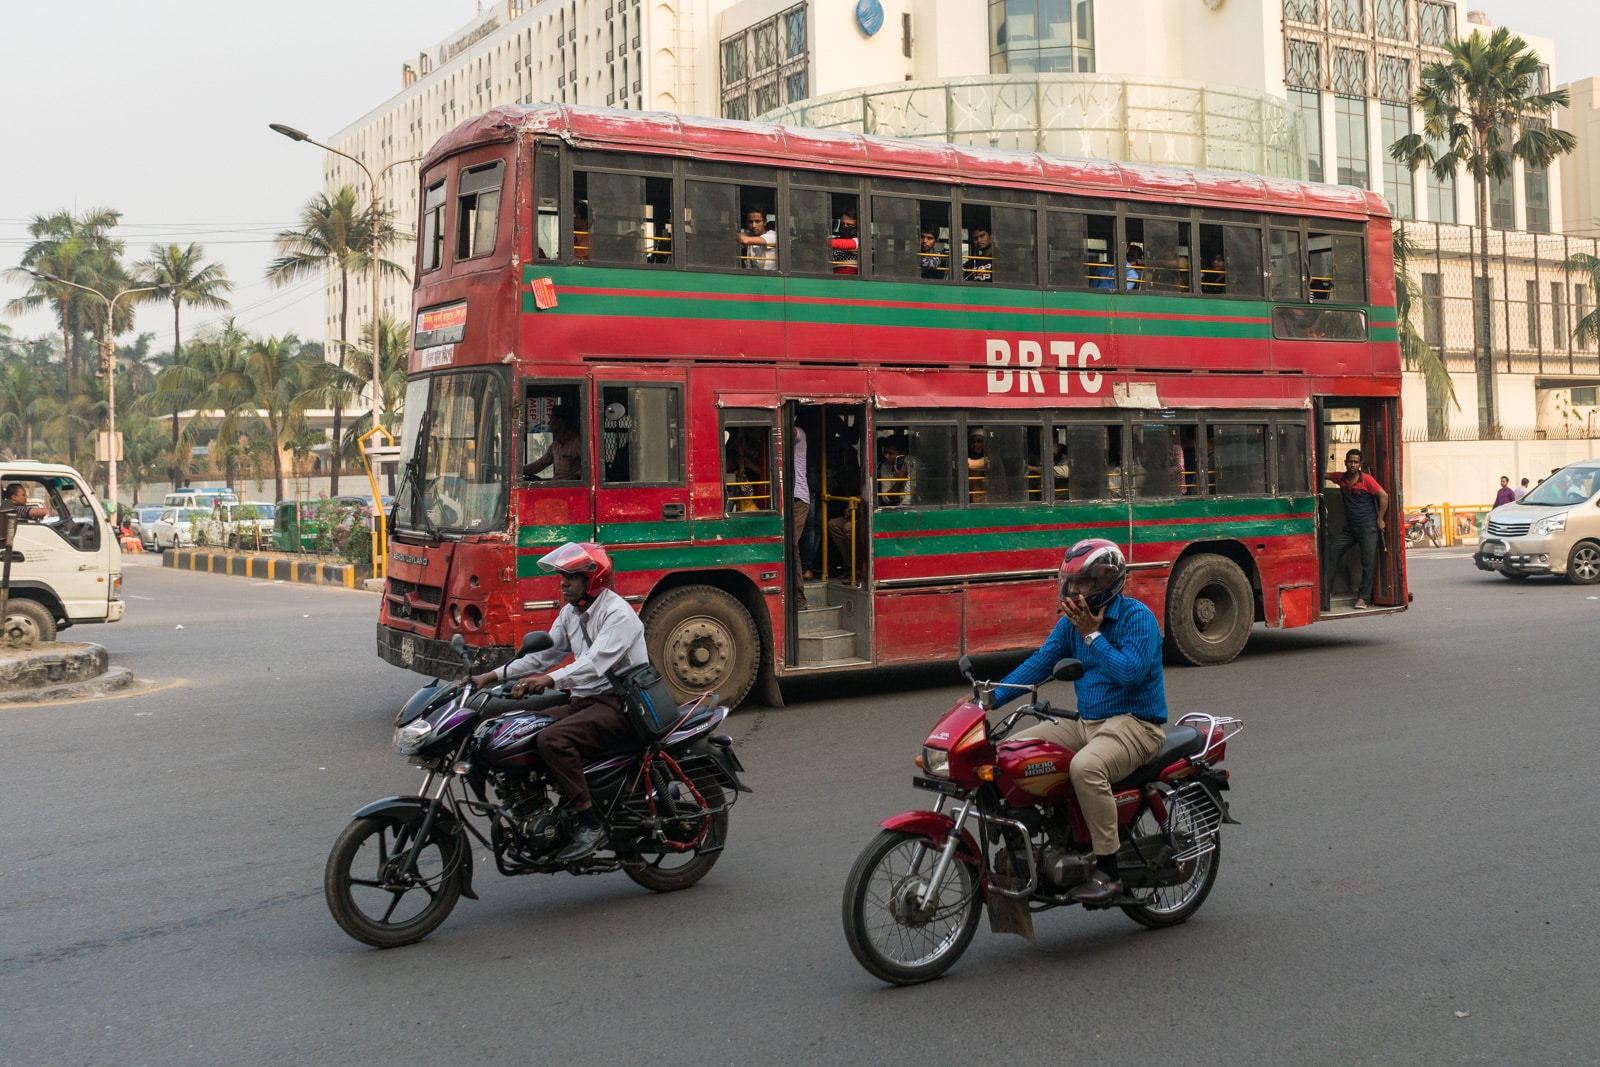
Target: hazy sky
{"x":159,"y":108}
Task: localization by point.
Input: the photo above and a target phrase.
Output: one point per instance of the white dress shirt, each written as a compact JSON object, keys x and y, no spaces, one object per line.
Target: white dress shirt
{"x":614,"y":639}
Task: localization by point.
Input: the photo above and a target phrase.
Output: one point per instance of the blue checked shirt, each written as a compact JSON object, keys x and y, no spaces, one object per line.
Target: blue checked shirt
{"x":1122,"y":666}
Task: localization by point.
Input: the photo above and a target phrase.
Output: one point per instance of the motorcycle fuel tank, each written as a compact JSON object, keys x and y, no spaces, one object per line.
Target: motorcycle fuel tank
{"x":512,"y":742}
{"x":1032,"y":769}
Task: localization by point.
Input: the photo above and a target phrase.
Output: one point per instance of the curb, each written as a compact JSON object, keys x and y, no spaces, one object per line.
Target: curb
{"x":268,"y":568}
{"x":112,"y":680}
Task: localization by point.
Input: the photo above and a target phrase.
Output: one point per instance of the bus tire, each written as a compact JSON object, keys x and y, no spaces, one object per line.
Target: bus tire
{"x":701,"y":638}
{"x":1210,"y":610}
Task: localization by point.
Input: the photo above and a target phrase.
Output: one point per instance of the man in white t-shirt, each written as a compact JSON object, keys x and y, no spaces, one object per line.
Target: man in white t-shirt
{"x":758,"y":243}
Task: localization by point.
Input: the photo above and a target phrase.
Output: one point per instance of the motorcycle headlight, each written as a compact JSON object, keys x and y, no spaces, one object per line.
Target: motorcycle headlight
{"x":1549,"y":524}
{"x":935,"y":762}
{"x":412,"y":736}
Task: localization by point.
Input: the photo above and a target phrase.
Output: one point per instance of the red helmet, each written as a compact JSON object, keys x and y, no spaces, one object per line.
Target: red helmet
{"x":581,"y":557}
{"x":1095,"y":570}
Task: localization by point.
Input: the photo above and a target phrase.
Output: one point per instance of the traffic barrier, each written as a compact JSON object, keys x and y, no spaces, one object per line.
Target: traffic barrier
{"x":279,"y":568}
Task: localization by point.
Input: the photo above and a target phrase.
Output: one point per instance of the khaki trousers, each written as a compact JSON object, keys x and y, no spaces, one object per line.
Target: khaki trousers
{"x":1104,"y":751}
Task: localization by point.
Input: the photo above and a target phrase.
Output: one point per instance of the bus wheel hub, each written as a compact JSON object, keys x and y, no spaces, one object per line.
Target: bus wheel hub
{"x":700,"y":651}
{"x":1205,"y":611}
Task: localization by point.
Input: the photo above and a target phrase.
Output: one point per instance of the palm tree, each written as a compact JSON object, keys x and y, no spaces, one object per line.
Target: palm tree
{"x":286,"y":380}
{"x":1480,"y":108}
{"x":212,"y":377}
{"x":394,"y":342}
{"x":184,"y":280}
{"x":1588,"y":328}
{"x":334,"y":235}
{"x":76,"y":248}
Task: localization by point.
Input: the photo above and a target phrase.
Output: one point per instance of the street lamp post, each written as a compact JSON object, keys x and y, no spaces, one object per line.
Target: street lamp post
{"x":377,"y":359}
{"x":108,"y":361}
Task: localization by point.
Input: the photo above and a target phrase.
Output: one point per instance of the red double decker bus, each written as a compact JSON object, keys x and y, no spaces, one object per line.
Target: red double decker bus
{"x":667,"y":334}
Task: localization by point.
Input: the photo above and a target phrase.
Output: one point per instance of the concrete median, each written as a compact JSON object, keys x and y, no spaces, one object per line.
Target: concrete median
{"x":269,"y":566}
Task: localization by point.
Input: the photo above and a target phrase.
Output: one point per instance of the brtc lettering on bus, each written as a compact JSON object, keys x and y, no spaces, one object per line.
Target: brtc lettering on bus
{"x":1025,"y":372}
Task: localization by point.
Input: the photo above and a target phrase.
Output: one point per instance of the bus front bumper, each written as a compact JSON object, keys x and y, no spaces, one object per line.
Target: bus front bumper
{"x":433,"y":657}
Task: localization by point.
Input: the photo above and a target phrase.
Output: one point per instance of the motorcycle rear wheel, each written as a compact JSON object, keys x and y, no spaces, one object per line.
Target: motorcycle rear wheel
{"x":1172,"y":904}
{"x":369,"y":900}
{"x":889,"y":933}
{"x":668,"y":871}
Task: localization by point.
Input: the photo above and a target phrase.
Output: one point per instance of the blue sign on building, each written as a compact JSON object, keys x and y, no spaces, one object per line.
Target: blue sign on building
{"x":869,"y":16}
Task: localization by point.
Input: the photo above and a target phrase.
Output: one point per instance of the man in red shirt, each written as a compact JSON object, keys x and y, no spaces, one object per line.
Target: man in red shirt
{"x":1365,"y":503}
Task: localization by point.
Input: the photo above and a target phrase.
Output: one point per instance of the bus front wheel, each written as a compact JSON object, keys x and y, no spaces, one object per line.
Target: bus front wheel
{"x":702,"y":638}
{"x":1210,"y":610}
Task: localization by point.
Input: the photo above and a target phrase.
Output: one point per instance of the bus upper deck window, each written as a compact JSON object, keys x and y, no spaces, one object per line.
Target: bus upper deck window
{"x":1337,"y":269}
{"x":624,"y":219}
{"x":478,"y":209}
{"x":433,"y":227}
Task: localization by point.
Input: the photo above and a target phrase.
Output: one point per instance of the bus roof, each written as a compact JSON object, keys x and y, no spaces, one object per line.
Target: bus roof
{"x":728,"y":140}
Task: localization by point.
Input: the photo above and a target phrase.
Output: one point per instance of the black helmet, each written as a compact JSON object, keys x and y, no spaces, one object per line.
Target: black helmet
{"x":1095,"y":570}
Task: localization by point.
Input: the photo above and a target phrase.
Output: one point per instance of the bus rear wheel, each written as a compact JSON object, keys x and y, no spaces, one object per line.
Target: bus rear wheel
{"x":1210,"y":610}
{"x":702,"y":638}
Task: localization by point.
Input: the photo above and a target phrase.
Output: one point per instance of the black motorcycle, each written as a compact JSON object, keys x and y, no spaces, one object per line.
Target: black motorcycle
{"x":398,"y":869}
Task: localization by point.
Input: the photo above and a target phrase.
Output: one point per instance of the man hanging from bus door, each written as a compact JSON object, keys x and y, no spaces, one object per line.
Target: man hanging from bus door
{"x":1365,"y":504}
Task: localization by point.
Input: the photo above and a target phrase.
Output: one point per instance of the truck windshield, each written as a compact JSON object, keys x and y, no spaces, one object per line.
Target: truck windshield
{"x":454,"y":444}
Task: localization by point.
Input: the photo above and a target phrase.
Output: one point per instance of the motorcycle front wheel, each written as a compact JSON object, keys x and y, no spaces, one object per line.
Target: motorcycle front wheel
{"x":891,"y":932}
{"x":1170,"y":905}
{"x":369,"y":896}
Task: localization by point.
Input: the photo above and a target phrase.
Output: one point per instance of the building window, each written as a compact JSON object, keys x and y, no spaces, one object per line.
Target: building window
{"x":1350,"y":136}
{"x":1347,"y":15}
{"x":1502,"y":210}
{"x":1301,"y":10}
{"x":1533,"y":315}
{"x":1433,"y":23}
{"x":1349,"y":73}
{"x":1303,"y":69}
{"x":1580,"y":300}
{"x":1391,"y":18}
{"x":1041,"y":35}
{"x":1441,"y":193}
{"x":1394,"y":80}
{"x":1584,"y":396}
{"x":1397,"y":188}
{"x":1308,"y":106}
{"x":764,"y":65}
{"x":1536,"y":193}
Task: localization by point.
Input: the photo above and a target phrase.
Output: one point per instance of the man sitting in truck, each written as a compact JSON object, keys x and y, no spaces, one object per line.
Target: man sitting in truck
{"x":16,"y":502}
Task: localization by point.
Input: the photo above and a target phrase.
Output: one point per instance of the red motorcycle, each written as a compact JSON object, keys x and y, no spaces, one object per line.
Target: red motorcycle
{"x":912,"y":900}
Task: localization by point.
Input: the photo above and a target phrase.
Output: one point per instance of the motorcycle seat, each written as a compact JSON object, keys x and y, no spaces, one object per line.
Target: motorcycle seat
{"x":1181,"y":741}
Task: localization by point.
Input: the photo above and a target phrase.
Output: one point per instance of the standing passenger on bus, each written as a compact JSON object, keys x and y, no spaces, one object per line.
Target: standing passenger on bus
{"x":979,"y":266}
{"x":1364,"y":505}
{"x":977,"y":466}
{"x":758,"y":243}
{"x":846,"y":254}
{"x":801,"y":505}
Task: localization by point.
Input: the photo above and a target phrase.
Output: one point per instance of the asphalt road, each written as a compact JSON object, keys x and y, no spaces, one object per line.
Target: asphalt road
{"x":1414,"y":879}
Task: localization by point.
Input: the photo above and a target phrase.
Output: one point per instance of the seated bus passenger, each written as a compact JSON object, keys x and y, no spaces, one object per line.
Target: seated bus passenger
{"x":1133,"y":273}
{"x":565,"y":453}
{"x":845,"y":245}
{"x":758,"y":243}
{"x":1214,"y":276}
{"x":931,"y":260}
{"x":979,"y":266}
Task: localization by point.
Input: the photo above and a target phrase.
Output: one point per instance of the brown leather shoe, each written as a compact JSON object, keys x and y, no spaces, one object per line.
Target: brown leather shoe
{"x":1100,"y":889}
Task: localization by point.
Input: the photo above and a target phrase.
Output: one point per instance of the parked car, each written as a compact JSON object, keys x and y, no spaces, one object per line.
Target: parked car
{"x":198,"y":498}
{"x":143,"y":520}
{"x":236,"y":525}
{"x":176,"y":526}
{"x":1555,"y":529}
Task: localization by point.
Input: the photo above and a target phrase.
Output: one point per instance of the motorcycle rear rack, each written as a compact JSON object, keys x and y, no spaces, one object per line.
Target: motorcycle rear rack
{"x":1209,"y":725}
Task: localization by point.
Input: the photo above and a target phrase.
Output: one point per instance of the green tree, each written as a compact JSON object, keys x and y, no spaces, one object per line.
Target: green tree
{"x":395,"y":346}
{"x":75,"y":248}
{"x":285,"y":380}
{"x":1587,"y":329}
{"x":1480,"y":108}
{"x":1413,"y":346}
{"x":213,"y":378}
{"x":334,"y":235}
{"x":185,"y":279}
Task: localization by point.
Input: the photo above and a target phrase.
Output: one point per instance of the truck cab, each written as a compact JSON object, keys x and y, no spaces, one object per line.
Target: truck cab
{"x":66,"y":566}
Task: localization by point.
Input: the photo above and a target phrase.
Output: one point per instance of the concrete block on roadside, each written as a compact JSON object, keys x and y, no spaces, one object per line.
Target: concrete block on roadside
{"x":372,"y":585}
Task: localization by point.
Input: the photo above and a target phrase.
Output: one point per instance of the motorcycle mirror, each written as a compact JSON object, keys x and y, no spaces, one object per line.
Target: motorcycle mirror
{"x":1067,"y":670}
{"x":964,"y":665}
{"x":458,"y":643}
{"x":535,"y":641}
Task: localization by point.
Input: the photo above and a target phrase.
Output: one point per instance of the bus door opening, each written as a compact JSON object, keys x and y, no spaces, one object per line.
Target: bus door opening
{"x":829,"y":557}
{"x":1360,"y":550}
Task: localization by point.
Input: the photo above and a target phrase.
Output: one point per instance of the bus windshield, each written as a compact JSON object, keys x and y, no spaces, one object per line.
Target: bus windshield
{"x":455,"y":447}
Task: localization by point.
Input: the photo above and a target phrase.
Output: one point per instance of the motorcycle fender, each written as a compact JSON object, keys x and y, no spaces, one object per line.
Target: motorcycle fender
{"x":725,"y":760}
{"x":411,"y":811}
{"x":936,"y":827}
{"x":1214,"y":787}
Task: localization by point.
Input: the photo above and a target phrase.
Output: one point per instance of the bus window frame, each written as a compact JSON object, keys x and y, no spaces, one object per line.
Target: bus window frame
{"x":680,"y":453}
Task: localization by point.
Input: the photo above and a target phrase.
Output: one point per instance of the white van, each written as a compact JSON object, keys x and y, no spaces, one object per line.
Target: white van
{"x":198,"y":498}
{"x":66,"y":568}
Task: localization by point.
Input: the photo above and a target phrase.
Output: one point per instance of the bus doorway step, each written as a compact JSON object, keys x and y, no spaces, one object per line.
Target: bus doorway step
{"x":823,"y":637}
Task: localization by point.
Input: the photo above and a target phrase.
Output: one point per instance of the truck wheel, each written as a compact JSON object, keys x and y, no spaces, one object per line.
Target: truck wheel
{"x":701,"y":638}
{"x":1210,"y":610}
{"x":28,"y":619}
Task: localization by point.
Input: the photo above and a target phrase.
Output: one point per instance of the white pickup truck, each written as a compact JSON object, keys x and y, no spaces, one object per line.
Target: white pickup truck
{"x":66,"y":566}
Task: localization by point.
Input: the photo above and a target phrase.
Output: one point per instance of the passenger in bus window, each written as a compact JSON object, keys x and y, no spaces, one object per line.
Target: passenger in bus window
{"x":977,"y":466}
{"x":1101,"y":275}
{"x":846,"y":246}
{"x":758,"y":242}
{"x":1060,"y":468}
{"x":747,"y":490}
{"x":979,"y":264}
{"x":1214,"y":275}
{"x":1133,"y":273}
{"x":565,"y":453}
{"x":894,"y":471}
{"x":931,"y":259}
{"x":580,"y":231}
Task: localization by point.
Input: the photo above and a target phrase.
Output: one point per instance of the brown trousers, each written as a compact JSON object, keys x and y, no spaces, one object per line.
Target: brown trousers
{"x":584,"y":728}
{"x":1104,"y":750}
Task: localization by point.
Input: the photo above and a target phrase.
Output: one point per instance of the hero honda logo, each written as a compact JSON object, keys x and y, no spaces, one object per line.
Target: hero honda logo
{"x":1027,"y":375}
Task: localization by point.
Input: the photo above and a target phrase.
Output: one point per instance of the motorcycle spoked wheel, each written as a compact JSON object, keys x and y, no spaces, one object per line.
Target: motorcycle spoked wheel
{"x":670,"y":869}
{"x":368,"y":898}
{"x":890,"y":933}
{"x":1170,"y":905}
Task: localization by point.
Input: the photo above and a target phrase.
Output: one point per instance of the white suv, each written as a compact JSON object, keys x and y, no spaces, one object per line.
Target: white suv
{"x":66,"y":568}
{"x":1555,"y":529}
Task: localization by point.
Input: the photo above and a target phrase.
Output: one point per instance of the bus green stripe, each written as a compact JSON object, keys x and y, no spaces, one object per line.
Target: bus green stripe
{"x":548,"y":537}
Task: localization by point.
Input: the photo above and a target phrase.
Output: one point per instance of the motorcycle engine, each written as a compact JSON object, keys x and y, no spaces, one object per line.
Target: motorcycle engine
{"x":1063,"y":869}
